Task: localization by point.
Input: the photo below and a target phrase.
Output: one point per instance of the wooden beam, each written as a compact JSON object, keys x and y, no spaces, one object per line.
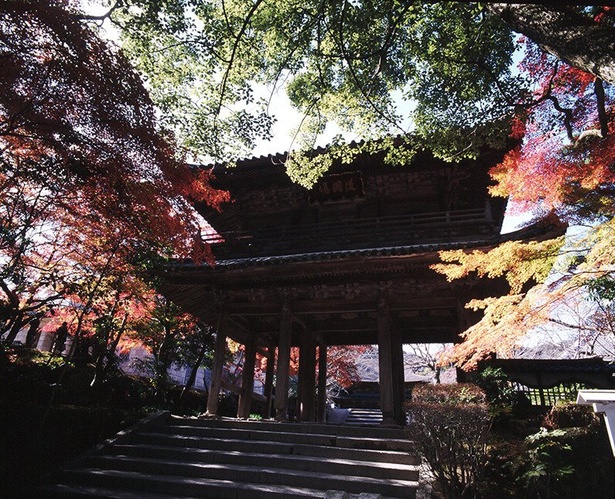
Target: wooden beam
{"x":322,"y":382}
{"x":247,"y":380}
{"x":311,"y":307}
{"x":216,"y":370}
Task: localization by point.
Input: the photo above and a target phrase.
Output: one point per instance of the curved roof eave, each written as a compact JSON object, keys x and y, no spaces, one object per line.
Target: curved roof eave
{"x":544,"y":229}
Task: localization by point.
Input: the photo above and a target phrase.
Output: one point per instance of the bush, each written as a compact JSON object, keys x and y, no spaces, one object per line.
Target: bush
{"x":567,"y":414}
{"x":572,"y":459}
{"x":37,"y":439}
{"x":450,"y":424}
{"x":498,"y":390}
{"x":568,"y":463}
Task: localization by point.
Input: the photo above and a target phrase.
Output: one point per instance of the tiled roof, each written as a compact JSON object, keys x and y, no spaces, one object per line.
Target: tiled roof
{"x":404,"y":250}
{"x":336,"y":255}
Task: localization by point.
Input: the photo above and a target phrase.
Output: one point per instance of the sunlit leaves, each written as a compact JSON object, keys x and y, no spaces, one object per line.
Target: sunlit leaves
{"x":563,"y":163}
{"x":339,"y":61}
{"x":565,"y":160}
{"x":566,"y":285}
{"x":506,"y":318}
{"x":520,"y":263}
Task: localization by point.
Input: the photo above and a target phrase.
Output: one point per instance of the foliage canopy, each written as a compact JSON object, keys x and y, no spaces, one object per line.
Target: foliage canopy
{"x":76,"y":121}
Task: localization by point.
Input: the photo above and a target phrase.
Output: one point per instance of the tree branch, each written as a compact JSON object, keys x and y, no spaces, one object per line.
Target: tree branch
{"x":600,"y":102}
{"x":101,"y":17}
{"x":571,"y":36}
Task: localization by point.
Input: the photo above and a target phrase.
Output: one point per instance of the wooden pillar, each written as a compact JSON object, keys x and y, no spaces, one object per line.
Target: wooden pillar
{"x":247,"y":380}
{"x":269,"y":381}
{"x":322,"y":382}
{"x":465,"y":320}
{"x":282,"y":374}
{"x":307,"y":378}
{"x":390,"y":356}
{"x":397,"y":362}
{"x":218,"y":365}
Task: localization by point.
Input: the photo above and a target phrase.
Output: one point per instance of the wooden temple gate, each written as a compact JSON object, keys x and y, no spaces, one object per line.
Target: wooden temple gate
{"x":346,"y":263}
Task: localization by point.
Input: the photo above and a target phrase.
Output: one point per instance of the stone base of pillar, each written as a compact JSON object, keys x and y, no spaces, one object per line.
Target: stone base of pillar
{"x":388,"y":419}
{"x":207,"y":415}
{"x":281,"y":416}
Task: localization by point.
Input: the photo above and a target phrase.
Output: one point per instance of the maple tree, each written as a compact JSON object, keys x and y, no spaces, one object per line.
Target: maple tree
{"x":567,"y":130}
{"x":341,"y":365}
{"x":549,"y":286}
{"x":563,"y":165}
{"x":91,"y":190}
{"x":173,"y":337}
{"x":74,"y":113}
{"x":24,"y":285}
{"x":506,"y":318}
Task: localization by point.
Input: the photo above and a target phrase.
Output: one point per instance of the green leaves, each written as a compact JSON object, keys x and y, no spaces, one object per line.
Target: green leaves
{"x":602,"y":288}
{"x":339,"y":61}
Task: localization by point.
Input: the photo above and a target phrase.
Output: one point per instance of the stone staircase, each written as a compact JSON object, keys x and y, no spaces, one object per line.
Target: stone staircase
{"x":364,"y":417}
{"x":168,"y":456}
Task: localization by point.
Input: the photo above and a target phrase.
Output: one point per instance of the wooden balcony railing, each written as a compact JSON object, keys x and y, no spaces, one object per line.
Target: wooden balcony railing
{"x":354,"y":234}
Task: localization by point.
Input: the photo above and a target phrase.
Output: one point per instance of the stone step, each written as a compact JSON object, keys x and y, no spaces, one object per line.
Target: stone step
{"x":255,"y":434}
{"x":347,"y":448}
{"x":255,"y":474}
{"x":258,"y":433}
{"x":318,"y":463}
{"x":377,"y":456}
{"x":362,"y":422}
{"x":185,"y":457}
{"x":63,"y":491}
{"x":364,"y":417}
{"x":369,"y":417}
{"x":131,"y":485}
{"x":267,"y":425}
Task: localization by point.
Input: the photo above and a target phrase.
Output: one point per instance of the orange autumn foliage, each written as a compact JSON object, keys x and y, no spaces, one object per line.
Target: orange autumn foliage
{"x":563,"y":164}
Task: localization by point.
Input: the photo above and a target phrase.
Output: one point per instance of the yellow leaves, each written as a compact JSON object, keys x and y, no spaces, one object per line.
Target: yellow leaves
{"x":232,"y":345}
{"x":601,"y":244}
{"x":506,"y":320}
{"x":518,"y":262}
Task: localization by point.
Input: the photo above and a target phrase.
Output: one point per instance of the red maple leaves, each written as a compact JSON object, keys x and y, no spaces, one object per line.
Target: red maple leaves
{"x":567,"y":125}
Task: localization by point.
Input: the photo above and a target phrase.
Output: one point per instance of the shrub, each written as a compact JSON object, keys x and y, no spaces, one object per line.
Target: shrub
{"x":566,"y":414}
{"x":498,"y":390}
{"x":564,"y":463}
{"x":450,"y":424}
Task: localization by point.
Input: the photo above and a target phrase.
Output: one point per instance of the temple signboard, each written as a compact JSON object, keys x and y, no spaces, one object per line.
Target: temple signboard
{"x":340,"y":187}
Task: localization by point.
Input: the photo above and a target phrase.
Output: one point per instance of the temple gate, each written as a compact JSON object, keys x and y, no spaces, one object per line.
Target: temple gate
{"x":345,"y":263}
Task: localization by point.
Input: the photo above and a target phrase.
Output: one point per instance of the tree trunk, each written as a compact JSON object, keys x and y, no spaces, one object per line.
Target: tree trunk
{"x":17,"y":325}
{"x":194,"y":371}
{"x":108,"y":354}
{"x":568,"y":35}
